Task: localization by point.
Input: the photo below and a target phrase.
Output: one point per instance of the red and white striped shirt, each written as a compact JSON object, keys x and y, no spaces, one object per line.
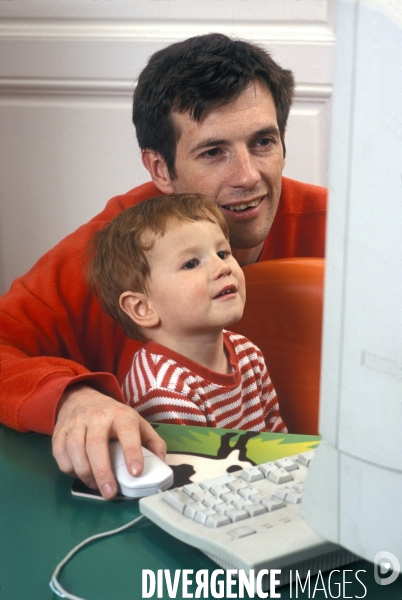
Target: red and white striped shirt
{"x":165,"y":387}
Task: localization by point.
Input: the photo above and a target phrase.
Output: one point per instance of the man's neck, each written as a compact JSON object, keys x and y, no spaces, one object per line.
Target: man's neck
{"x":247,"y":256}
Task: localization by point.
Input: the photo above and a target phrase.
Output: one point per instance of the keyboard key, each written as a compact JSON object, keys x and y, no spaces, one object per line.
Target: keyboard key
{"x":230,"y":497}
{"x":273,"y":504}
{"x":293,"y":497}
{"x":215,"y":481}
{"x":280,"y":493}
{"x":298,"y":487}
{"x":202,"y":495}
{"x":242,"y":502}
{"x":287,"y":464}
{"x":191,"y":510}
{"x":213,"y":501}
{"x":305,"y":458}
{"x":222,"y":508}
{"x":178,"y":499}
{"x":240,"y":532}
{"x":255,"y":509}
{"x":192,"y":488}
{"x":198,"y":511}
{"x":236,"y":514}
{"x":280,"y":476}
{"x":219,"y":490}
{"x":252,"y":474}
{"x":248,"y":491}
{"x":237,"y":485}
{"x":217,"y":520}
{"x":266,"y":468}
{"x":258,"y":497}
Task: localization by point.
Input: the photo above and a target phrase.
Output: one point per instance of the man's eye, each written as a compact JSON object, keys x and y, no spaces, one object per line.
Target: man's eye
{"x":223,"y":254}
{"x":211,"y":153}
{"x":191,"y":264}
{"x":264,"y":142}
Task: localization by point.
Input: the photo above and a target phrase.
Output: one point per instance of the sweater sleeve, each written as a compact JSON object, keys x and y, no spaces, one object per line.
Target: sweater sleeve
{"x":32,"y":387}
{"x":53,"y":332}
{"x":44,"y":344}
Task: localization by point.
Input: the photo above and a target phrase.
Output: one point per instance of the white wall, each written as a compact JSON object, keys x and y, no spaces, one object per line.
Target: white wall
{"x":67,"y":72}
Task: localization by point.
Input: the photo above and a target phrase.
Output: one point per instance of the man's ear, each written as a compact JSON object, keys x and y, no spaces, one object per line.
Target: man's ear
{"x":156,"y":165}
{"x":284,"y":149}
{"x":138,"y":308}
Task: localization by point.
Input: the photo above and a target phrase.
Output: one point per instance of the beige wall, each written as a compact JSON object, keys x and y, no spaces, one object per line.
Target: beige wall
{"x":67,"y":72}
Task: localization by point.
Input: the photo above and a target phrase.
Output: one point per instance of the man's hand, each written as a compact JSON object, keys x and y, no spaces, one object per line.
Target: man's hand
{"x":86,"y":421}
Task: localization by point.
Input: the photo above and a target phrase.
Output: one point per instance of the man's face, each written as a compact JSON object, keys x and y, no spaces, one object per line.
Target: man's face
{"x":234,"y":157}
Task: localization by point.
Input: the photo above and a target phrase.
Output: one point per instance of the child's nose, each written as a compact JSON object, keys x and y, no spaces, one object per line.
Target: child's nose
{"x":223,"y":268}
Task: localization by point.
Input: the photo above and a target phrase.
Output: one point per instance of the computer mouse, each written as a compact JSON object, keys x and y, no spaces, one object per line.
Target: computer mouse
{"x":157,"y":475}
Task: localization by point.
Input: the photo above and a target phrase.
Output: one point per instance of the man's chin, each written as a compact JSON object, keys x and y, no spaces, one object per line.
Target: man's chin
{"x":241,"y":239}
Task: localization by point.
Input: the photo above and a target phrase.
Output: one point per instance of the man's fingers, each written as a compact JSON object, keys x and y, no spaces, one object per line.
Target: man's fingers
{"x":86,"y":421}
{"x":128,"y":432}
{"x":97,"y":450}
{"x":135,"y":433}
{"x":60,"y":453}
{"x":69,"y":453}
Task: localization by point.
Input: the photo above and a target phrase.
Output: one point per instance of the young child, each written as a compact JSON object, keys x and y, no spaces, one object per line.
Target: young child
{"x":164,"y":270}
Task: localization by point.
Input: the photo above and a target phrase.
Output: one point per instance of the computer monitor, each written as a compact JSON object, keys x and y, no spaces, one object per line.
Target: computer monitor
{"x":353,"y":493}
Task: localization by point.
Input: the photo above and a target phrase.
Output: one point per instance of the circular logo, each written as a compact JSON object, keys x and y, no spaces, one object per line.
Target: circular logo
{"x":386,"y":568}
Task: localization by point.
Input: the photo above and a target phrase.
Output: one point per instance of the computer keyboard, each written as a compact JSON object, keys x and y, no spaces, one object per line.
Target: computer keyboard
{"x":249,"y":519}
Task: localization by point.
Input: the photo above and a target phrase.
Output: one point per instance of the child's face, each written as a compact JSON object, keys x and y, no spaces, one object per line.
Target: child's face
{"x":195,"y":284}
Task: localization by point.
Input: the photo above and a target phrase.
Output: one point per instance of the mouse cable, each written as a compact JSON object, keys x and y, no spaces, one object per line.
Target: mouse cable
{"x":54,"y":583}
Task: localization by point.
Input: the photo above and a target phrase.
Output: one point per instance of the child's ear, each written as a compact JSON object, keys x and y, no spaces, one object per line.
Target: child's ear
{"x":138,"y":308}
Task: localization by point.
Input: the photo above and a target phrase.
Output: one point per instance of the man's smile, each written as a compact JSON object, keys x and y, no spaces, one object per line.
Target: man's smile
{"x":241,"y":206}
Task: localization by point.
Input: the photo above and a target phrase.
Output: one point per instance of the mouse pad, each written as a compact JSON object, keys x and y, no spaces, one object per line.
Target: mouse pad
{"x":197,"y":453}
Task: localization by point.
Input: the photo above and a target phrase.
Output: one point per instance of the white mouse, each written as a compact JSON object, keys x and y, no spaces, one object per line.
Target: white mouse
{"x":157,"y":475}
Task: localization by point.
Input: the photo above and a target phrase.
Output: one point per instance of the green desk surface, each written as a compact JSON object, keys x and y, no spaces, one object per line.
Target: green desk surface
{"x":40,"y":522}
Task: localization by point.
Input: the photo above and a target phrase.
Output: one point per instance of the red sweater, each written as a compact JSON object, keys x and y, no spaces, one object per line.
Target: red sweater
{"x":53,"y":332}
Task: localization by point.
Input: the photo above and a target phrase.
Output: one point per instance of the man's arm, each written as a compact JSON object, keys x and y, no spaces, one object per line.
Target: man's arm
{"x":54,"y":335}
{"x":86,"y":421}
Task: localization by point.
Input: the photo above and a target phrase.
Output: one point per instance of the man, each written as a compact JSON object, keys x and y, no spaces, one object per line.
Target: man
{"x":210,"y":115}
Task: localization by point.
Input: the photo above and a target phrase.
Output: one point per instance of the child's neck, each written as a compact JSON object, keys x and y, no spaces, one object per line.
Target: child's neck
{"x":207,"y":350}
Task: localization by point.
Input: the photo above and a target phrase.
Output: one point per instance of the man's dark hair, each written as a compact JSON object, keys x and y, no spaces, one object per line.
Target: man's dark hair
{"x":200,"y":73}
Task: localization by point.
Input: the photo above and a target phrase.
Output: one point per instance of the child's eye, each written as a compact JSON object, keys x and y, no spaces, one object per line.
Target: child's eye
{"x":191,"y":264}
{"x":223,"y":254}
